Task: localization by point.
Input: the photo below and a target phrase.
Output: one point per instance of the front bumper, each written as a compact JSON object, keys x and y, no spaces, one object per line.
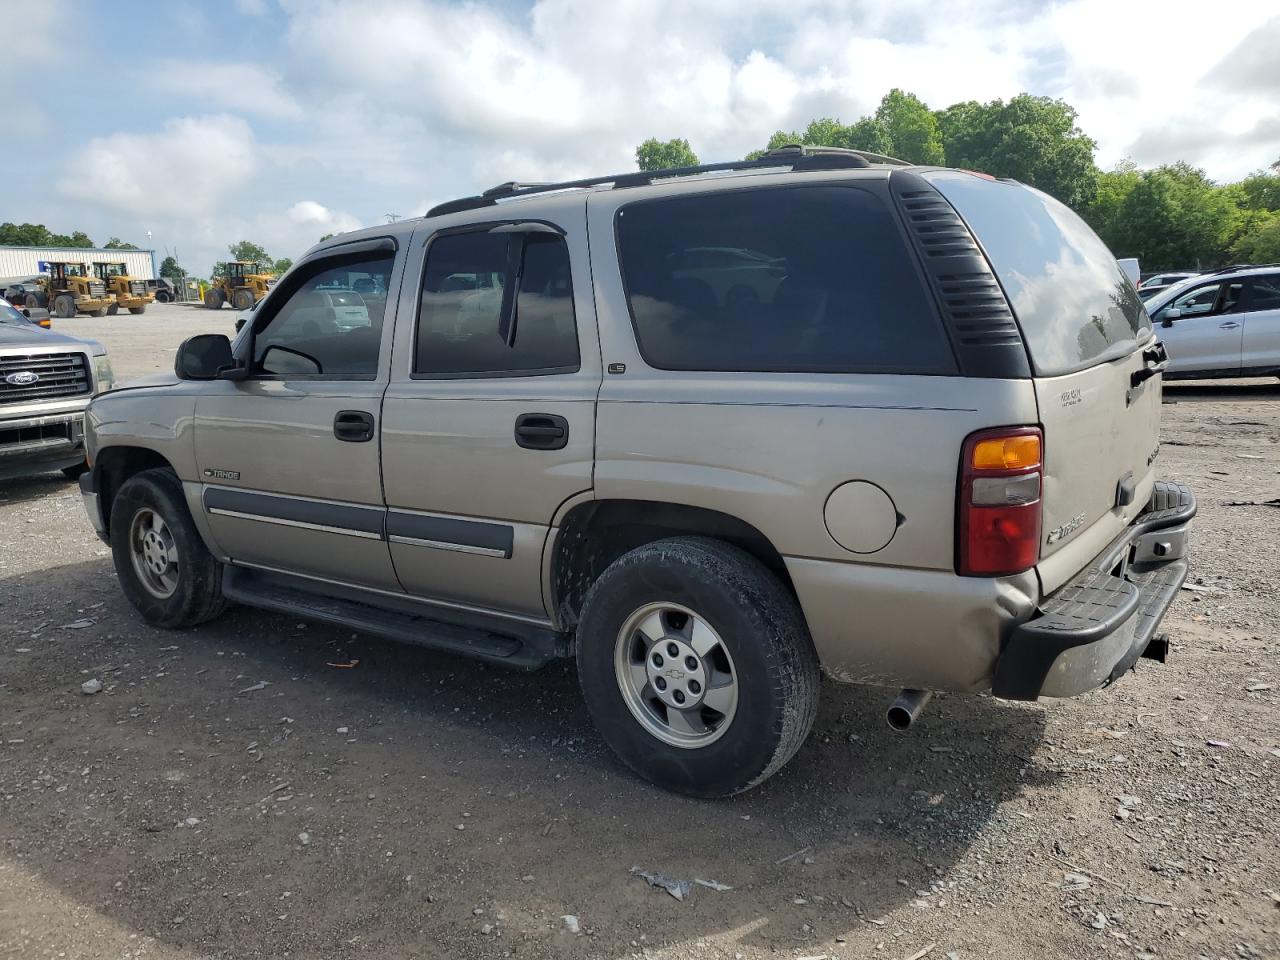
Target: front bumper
{"x":1093,"y":629}
{"x":39,"y":444}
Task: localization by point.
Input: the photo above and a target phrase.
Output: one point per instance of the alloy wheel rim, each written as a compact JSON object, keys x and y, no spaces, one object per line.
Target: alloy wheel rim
{"x":676,"y":675}
{"x":154,"y":553}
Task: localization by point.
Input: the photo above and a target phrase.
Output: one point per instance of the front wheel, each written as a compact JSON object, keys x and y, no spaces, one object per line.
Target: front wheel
{"x":213,"y":298}
{"x":697,"y":666}
{"x":64,"y":306}
{"x":242,"y":299}
{"x":164,"y":567}
{"x":137,"y":310}
{"x":113,"y":310}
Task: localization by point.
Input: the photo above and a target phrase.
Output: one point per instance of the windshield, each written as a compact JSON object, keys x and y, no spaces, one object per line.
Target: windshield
{"x":1165,"y":294}
{"x":1072,"y":300}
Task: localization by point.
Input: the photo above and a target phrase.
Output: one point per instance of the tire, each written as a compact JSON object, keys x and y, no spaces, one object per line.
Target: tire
{"x":137,"y":310}
{"x":113,"y":310}
{"x":34,"y":302}
{"x":162,"y":296}
{"x":761,"y":644}
{"x":74,"y":471}
{"x":213,"y":298}
{"x":64,"y":306}
{"x":188,"y":592}
{"x":100,"y":312}
{"x":242,"y":299}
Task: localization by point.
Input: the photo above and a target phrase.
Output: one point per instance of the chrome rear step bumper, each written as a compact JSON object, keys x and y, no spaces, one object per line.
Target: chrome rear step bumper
{"x":1090,"y":631}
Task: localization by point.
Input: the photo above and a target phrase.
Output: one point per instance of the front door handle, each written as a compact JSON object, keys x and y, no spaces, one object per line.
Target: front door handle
{"x":542,"y":431}
{"x":1229,"y":325}
{"x":353,"y":426}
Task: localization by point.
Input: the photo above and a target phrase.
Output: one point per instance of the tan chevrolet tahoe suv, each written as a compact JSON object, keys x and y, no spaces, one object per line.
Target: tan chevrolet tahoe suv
{"x":711,"y":431}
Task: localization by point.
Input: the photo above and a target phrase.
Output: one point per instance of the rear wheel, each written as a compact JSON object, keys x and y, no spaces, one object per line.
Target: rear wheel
{"x":162,"y":296}
{"x":697,"y":666}
{"x":100,"y":312}
{"x":213,"y":298}
{"x":64,"y":306}
{"x":164,"y":567}
{"x":113,"y":310}
{"x":242,"y":299}
{"x":34,"y":302}
{"x":137,"y":310}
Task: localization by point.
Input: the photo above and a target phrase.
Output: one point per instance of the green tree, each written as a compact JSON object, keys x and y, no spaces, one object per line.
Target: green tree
{"x":170,"y":269}
{"x":115,"y":243}
{"x":1114,"y":186}
{"x":24,"y":235}
{"x":1032,"y":139}
{"x":1261,"y":243}
{"x":1260,"y":191}
{"x":327,"y":236}
{"x":910,"y":128}
{"x":250,"y":252}
{"x":76,"y":239}
{"x":1174,"y":217}
{"x":281,"y":266}
{"x":654,"y":154}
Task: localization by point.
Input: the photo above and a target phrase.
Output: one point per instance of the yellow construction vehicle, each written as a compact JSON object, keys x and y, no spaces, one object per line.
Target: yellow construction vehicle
{"x":241,"y":282}
{"x":131,"y":294}
{"x":69,"y":289}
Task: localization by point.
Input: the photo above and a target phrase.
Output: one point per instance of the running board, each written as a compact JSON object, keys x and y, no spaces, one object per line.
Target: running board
{"x":508,"y":644}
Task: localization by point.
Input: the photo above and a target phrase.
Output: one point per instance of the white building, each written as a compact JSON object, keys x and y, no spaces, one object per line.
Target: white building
{"x":22,"y":263}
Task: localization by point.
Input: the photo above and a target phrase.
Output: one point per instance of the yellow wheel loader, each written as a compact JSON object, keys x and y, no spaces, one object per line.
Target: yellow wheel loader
{"x":241,"y":283}
{"x":68,"y":289}
{"x":130,"y":293}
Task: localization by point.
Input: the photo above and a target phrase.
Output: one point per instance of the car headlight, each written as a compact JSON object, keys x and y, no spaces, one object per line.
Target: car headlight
{"x":102,"y":372}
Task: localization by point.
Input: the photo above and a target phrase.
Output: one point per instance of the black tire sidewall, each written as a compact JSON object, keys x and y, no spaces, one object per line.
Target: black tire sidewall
{"x":737,"y":607}
{"x":161,"y":491}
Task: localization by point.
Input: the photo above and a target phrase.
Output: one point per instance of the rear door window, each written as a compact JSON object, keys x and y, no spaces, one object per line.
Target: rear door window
{"x":1075,"y":305}
{"x":788,"y":279}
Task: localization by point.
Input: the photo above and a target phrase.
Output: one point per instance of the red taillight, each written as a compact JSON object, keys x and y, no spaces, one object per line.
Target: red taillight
{"x":998,"y":523}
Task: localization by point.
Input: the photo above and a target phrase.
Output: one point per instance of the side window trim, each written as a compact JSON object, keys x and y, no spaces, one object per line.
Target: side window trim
{"x":307,"y":269}
{"x":506,"y":328}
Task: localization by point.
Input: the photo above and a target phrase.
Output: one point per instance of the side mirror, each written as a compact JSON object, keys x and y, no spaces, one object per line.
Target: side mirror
{"x":1170,"y":315}
{"x":203,"y":357}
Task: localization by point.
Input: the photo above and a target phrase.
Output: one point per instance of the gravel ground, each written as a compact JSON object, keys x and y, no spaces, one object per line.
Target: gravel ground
{"x":241,"y":790}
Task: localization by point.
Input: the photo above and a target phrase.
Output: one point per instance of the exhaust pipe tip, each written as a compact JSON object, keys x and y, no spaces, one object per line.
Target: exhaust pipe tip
{"x":903,"y":711}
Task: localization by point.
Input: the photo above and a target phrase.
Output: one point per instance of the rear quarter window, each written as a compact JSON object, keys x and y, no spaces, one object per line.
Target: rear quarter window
{"x":785,"y":279}
{"x":1073,"y":302}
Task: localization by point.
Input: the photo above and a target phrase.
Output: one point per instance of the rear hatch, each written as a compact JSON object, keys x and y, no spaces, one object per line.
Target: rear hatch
{"x":1087,"y":336}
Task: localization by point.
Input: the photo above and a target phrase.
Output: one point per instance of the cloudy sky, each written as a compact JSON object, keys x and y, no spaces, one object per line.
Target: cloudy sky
{"x":282,"y":120}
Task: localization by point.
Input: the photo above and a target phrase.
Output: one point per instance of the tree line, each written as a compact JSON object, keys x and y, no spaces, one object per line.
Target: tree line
{"x":38,"y":235}
{"x":1170,"y":217}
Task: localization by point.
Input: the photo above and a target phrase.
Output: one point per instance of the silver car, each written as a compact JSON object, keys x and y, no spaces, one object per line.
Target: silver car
{"x":711,"y":432}
{"x":1221,"y":324}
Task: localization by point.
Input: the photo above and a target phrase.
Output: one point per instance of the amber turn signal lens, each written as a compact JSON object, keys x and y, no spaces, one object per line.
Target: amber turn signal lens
{"x":1007,"y":453}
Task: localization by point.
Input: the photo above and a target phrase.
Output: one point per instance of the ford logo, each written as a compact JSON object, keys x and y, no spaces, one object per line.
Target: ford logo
{"x":22,"y":378}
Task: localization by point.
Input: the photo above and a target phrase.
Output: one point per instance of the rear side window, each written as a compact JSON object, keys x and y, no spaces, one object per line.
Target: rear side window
{"x":788,"y":279}
{"x":1071,"y":298}
{"x":496,"y":304}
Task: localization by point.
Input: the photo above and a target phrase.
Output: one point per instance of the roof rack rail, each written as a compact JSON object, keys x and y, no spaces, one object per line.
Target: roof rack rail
{"x":799,"y":157}
{"x":1237,"y":266}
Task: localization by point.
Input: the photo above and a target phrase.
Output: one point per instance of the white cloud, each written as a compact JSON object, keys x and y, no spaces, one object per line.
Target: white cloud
{"x":316,"y":216}
{"x":183,"y":169}
{"x":244,"y":88}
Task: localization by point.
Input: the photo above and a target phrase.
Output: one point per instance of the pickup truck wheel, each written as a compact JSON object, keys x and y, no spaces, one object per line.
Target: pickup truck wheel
{"x":697,"y":666}
{"x":164,"y":567}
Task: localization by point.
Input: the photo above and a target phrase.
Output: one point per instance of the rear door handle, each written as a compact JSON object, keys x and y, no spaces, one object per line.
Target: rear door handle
{"x":353,"y":426}
{"x":542,"y":431}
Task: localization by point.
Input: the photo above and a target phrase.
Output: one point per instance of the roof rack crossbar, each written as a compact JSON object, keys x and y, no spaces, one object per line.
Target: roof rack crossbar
{"x":798,"y":157}
{"x":1236,"y":266}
